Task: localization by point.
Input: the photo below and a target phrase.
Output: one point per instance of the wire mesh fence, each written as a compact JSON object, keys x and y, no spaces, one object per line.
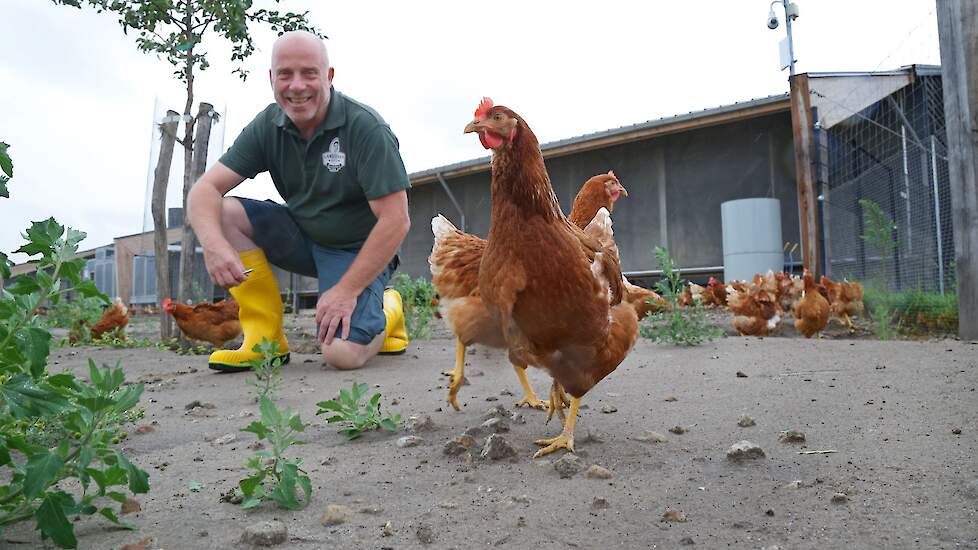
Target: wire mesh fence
{"x":885,"y":199}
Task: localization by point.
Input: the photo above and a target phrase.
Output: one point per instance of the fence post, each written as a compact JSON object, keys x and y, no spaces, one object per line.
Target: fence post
{"x":957,"y":24}
{"x":937,"y":213}
{"x":801,"y":123}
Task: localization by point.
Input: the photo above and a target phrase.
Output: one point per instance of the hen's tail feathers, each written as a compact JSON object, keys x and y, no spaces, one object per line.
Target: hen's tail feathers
{"x":441,"y":227}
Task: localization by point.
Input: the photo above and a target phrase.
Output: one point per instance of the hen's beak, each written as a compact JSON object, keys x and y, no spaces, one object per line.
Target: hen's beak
{"x":624,"y":192}
{"x":474,"y":126}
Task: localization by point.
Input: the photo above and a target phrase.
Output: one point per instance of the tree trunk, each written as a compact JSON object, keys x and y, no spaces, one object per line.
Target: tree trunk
{"x":187,"y":242}
{"x":161,"y":177}
{"x":198,"y":163}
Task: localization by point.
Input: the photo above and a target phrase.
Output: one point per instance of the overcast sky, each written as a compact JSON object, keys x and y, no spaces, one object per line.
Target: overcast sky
{"x":77,"y":98}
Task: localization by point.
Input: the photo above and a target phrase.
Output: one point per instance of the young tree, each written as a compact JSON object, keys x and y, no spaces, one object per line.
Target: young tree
{"x":175,"y":29}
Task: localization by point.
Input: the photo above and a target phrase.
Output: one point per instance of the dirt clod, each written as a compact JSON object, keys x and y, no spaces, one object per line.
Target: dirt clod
{"x":568,"y":465}
{"x":409,"y":441}
{"x":459,"y":445}
{"x":745,"y":421}
{"x":423,"y":423}
{"x":130,"y":506}
{"x":598,"y":472}
{"x":791,"y":436}
{"x":495,"y":425}
{"x":674,"y":516}
{"x":497,"y":447}
{"x":265,"y":533}
{"x":744,"y":450}
{"x":334,"y":514}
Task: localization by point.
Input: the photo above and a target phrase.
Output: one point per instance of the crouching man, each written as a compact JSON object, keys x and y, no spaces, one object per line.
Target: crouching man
{"x":337,"y":165}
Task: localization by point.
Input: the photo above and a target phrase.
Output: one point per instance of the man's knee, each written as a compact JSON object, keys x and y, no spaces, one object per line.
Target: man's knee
{"x":346,"y":355}
{"x":234,"y":219}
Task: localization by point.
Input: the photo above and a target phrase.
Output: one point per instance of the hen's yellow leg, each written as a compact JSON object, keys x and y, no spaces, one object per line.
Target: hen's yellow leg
{"x":557,"y":401}
{"x":566,"y":438}
{"x":458,"y":375}
{"x":530,"y":398}
{"x":848,"y":321}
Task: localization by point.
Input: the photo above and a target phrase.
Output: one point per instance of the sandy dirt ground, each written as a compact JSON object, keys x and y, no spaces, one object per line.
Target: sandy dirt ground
{"x":901,"y":415}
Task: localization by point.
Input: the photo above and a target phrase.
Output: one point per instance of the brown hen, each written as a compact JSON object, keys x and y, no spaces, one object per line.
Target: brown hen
{"x":115,"y":319}
{"x":454,"y":262}
{"x":555,"y":290}
{"x":812,"y":310}
{"x":214,"y":323}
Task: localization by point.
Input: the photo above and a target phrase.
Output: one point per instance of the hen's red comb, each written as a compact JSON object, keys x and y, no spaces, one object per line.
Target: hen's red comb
{"x":484,"y":106}
{"x":612,"y":174}
{"x":166,"y":303}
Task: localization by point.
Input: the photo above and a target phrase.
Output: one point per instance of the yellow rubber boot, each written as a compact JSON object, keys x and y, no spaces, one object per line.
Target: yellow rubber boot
{"x":396,"y":339}
{"x":260,"y":313}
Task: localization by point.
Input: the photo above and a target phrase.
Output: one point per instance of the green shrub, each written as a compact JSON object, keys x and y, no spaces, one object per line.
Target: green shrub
{"x":417,"y":295}
{"x":682,"y":326}
{"x":54,"y":426}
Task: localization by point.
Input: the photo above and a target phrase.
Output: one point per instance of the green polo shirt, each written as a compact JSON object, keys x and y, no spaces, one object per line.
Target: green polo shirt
{"x":351,"y":158}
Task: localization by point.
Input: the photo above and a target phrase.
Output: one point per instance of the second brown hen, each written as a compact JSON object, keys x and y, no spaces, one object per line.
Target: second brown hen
{"x":214,"y":323}
{"x":812,"y":310}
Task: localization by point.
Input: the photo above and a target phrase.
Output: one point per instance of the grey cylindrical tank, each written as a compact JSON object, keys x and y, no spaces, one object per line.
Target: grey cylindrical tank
{"x":751,"y":237}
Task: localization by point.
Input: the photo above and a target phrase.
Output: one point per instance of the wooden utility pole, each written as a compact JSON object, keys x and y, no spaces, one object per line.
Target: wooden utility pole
{"x":801,"y":125}
{"x":161,"y":177}
{"x":957,"y":24}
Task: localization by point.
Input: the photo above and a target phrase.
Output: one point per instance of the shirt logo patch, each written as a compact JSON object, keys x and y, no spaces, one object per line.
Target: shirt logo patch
{"x":334,"y":160}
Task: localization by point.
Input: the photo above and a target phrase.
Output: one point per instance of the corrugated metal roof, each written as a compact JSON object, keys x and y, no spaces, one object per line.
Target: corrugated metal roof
{"x":922,"y":70}
{"x":620,"y":131}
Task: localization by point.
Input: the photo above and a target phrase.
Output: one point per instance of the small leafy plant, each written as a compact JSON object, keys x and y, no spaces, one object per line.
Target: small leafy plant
{"x":418,"y":296}
{"x":879,"y":229}
{"x":273,"y":475}
{"x":680,"y":326}
{"x":879,"y":234}
{"x":356,"y":417}
{"x":36,"y":405}
{"x":267,"y":368}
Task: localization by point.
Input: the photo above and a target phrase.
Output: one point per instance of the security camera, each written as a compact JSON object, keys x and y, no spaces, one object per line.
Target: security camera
{"x":772,"y":20}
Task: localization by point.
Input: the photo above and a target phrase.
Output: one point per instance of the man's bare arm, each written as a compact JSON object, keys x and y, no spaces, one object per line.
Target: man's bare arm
{"x":204,"y":213}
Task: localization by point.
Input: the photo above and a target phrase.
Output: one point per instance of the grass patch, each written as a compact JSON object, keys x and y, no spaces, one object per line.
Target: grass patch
{"x":911,"y":311}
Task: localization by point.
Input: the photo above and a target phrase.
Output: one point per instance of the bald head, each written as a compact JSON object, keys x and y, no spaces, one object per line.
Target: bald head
{"x":301,"y":79}
{"x":303,"y":43}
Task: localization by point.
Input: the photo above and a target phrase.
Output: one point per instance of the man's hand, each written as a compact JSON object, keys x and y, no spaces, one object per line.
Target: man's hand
{"x":224,"y":266}
{"x":335,"y":306}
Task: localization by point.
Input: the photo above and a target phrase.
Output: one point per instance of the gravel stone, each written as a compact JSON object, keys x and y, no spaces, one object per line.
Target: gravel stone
{"x":743,"y":450}
{"x":568,"y":465}
{"x":497,"y":447}
{"x":265,"y":533}
{"x":598,"y":472}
